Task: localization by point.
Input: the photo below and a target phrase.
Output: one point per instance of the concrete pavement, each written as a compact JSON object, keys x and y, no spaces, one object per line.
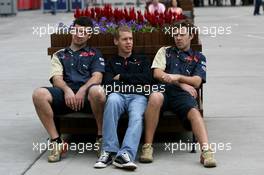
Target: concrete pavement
{"x":233,"y":98}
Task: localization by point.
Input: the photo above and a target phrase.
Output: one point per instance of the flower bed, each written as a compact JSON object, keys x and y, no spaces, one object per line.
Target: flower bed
{"x":108,"y":19}
{"x":149,"y":29}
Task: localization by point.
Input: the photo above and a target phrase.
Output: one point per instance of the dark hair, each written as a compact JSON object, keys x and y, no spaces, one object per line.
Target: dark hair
{"x":186,"y":23}
{"x":83,"y":21}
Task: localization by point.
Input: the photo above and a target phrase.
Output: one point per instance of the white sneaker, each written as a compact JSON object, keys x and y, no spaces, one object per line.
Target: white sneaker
{"x":104,"y":160}
{"x":124,"y":161}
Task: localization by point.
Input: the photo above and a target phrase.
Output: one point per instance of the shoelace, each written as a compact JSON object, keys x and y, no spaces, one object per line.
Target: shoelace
{"x":55,"y":152}
{"x":104,"y":157}
{"x":126,"y":157}
{"x":208,"y":154}
{"x":147,"y":149}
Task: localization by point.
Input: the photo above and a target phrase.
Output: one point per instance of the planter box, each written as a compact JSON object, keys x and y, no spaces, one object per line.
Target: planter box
{"x":147,"y":43}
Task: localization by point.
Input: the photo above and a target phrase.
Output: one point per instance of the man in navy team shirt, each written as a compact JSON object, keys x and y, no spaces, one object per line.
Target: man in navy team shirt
{"x":76,"y":75}
{"x":182,"y":70}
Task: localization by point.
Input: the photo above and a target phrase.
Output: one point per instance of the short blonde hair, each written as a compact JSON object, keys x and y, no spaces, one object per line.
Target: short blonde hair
{"x":123,"y":28}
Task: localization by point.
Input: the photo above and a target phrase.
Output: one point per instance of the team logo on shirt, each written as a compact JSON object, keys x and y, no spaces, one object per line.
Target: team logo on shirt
{"x":86,"y":54}
{"x":191,"y":58}
{"x":101,"y":59}
{"x":63,"y":56}
{"x":135,"y":61}
{"x":204,"y":68}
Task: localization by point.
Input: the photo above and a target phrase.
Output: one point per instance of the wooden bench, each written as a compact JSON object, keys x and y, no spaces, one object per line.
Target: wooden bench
{"x":146,"y":43}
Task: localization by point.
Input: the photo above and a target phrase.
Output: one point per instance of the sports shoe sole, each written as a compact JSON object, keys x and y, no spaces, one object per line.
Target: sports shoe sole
{"x":145,"y":160}
{"x":102,"y":165}
{"x":208,"y":165}
{"x":128,"y":167}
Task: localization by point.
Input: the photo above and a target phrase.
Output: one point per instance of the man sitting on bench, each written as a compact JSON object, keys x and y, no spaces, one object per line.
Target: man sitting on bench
{"x":182,"y":70}
{"x":125,"y":74}
{"x":76,"y":75}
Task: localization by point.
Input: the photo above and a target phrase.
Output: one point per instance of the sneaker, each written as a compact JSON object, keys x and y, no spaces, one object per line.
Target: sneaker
{"x":104,"y":160}
{"x":124,"y":161}
{"x":99,"y":142}
{"x":56,"y":150}
{"x":207,"y":159}
{"x":146,"y":154}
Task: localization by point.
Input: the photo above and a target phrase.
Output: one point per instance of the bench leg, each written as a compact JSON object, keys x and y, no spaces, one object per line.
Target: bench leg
{"x":194,"y":141}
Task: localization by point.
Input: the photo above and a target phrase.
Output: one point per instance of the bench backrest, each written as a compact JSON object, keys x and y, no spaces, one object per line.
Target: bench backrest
{"x":144,"y":43}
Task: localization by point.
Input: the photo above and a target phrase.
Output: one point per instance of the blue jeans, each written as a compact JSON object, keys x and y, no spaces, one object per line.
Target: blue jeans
{"x":257,"y":6}
{"x":53,"y":7}
{"x":115,"y":106}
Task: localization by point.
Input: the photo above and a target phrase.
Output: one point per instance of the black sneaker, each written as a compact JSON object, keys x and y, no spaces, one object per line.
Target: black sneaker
{"x":104,"y":160}
{"x":124,"y":161}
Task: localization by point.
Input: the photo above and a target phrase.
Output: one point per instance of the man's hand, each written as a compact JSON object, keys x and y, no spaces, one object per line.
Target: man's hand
{"x":117,"y":77}
{"x":70,"y":99}
{"x":167,"y":78}
{"x":171,"y":78}
{"x":80,"y":95}
{"x":189,"y":89}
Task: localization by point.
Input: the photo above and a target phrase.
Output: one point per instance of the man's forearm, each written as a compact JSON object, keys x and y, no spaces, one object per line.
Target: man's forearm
{"x":194,"y":81}
{"x":96,"y":79}
{"x":60,"y":83}
{"x":158,"y":74}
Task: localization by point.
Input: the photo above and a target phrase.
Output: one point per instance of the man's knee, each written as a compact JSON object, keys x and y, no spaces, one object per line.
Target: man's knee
{"x":41,"y":94}
{"x":156,"y":99}
{"x":96,"y":93}
{"x":194,"y":114}
{"x":114,"y":99}
{"x":136,"y":119}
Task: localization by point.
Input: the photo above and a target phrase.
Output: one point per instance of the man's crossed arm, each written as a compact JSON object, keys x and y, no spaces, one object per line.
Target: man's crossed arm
{"x":187,"y":83}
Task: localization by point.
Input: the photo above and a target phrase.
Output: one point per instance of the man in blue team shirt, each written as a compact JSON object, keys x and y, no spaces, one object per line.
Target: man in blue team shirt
{"x":182,"y":70}
{"x":76,"y":75}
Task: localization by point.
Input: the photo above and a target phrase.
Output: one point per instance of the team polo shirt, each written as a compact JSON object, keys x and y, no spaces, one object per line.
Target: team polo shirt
{"x":173,"y":61}
{"x":76,"y":67}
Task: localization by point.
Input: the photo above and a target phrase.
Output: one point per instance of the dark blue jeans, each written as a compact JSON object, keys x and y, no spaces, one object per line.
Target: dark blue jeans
{"x":53,"y":7}
{"x":257,"y":7}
